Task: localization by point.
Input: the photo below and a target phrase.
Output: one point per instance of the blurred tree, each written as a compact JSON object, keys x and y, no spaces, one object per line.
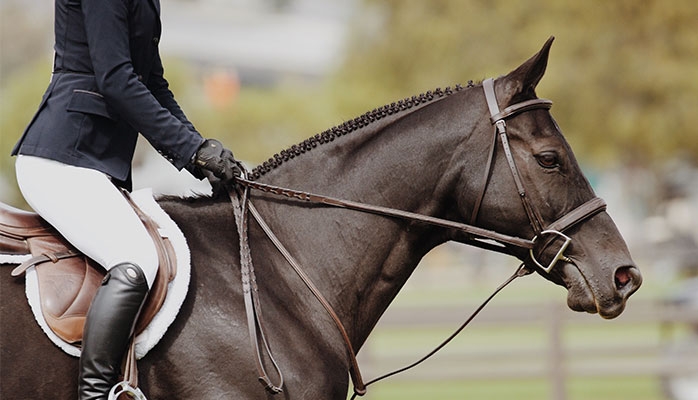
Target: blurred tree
{"x":623,"y":73}
{"x":24,"y":36}
{"x":25,"y":68}
{"x":19,"y":98}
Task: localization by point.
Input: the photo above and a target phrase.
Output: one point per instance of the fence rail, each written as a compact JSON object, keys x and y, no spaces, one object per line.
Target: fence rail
{"x":555,"y":356}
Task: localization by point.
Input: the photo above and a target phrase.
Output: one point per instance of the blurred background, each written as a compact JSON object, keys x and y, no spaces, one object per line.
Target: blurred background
{"x":261,"y":75}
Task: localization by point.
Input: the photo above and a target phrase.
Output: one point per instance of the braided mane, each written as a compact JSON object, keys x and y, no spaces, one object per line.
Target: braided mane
{"x":351,"y":126}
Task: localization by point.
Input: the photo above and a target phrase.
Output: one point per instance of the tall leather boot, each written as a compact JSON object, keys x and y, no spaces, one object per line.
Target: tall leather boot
{"x":108,"y":329}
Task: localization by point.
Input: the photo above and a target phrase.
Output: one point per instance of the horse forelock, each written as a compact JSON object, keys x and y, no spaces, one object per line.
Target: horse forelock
{"x":405,"y":105}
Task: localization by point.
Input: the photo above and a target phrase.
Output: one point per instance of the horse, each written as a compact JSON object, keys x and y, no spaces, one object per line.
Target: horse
{"x":431,"y":155}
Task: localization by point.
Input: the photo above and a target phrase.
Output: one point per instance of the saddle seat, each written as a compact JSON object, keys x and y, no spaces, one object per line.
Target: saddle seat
{"x":68,"y":280}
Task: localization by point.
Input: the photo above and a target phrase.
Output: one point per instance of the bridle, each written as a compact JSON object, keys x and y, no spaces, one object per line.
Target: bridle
{"x":583,"y":212}
{"x":242,"y":204}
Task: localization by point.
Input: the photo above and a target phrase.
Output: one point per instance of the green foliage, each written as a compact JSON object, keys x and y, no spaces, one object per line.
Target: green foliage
{"x":622,"y":73}
{"x":261,"y":122}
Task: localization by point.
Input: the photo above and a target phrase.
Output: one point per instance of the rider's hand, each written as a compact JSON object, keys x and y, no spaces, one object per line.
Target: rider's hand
{"x":214,"y":162}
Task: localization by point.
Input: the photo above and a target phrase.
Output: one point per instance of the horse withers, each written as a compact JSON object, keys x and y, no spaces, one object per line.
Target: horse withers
{"x":446,"y":155}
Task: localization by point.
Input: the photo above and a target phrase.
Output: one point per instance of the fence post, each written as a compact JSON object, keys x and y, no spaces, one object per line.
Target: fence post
{"x":557,"y":354}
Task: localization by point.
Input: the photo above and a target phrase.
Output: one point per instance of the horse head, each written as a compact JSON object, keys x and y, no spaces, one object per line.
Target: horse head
{"x":596,"y":268}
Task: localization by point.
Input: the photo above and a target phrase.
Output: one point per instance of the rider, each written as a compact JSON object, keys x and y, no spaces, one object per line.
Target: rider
{"x":107,"y":86}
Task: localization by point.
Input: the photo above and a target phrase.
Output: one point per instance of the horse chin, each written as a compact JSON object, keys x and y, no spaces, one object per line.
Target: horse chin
{"x":581,"y":296}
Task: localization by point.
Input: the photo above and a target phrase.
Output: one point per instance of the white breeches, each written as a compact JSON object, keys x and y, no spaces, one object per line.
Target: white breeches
{"x":89,"y":211}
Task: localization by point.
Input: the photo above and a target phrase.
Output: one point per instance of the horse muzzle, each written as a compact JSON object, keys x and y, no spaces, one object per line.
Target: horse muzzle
{"x":593,"y":262}
{"x":591,"y":289}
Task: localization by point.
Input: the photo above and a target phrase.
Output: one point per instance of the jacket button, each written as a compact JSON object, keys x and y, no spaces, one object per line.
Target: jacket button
{"x":140,"y":78}
{"x":156,"y":40}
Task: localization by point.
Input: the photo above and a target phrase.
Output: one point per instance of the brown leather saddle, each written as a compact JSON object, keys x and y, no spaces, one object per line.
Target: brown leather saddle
{"x":68,"y":280}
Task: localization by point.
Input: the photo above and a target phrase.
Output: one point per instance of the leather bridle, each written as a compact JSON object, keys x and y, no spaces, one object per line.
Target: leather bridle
{"x":243,"y":204}
{"x":583,"y":212}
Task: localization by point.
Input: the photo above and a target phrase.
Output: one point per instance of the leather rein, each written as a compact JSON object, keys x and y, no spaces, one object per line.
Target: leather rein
{"x":240,"y":197}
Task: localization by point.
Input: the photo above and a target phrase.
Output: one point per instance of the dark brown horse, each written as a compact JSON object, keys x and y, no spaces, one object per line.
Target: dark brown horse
{"x":426,"y":155}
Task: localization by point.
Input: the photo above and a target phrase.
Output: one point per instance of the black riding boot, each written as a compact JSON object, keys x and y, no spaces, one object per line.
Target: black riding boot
{"x":108,"y":329}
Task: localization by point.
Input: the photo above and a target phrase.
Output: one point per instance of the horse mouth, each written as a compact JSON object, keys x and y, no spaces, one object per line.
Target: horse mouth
{"x":606,"y":300}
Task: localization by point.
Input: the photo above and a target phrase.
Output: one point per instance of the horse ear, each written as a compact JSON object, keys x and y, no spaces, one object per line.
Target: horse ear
{"x":524,"y":79}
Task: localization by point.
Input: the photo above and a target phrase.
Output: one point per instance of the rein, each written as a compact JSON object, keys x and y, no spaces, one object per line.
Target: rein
{"x":521,"y":271}
{"x":385,"y":211}
{"x":251,"y":293}
{"x":242,"y":205}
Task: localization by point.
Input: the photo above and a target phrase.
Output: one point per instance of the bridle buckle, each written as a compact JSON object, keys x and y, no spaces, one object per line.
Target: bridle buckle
{"x":501,"y":126}
{"x":560,"y":253}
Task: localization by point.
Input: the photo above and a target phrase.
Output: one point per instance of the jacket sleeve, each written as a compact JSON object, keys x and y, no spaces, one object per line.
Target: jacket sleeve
{"x":107,"y":31}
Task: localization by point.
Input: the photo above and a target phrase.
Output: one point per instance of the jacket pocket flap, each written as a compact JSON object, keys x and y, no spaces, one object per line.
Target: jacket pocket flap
{"x":89,"y":102}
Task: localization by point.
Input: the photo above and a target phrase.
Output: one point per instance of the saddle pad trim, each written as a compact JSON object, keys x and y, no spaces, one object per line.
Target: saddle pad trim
{"x":14,"y":258}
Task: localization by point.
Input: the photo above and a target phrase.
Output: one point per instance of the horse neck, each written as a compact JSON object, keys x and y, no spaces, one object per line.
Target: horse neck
{"x":361,"y":261}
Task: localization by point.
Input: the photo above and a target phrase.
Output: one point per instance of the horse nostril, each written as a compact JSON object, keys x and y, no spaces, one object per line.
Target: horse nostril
{"x":627,"y":278}
{"x":622,"y":277}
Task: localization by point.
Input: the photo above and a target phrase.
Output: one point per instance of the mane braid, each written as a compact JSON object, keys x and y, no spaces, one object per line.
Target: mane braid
{"x":351,"y":126}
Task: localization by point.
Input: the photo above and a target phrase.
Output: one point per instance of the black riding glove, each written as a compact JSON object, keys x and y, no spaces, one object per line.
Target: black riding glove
{"x":215,"y":163}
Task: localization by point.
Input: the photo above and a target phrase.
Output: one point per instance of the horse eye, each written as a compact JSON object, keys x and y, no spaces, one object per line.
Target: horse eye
{"x":548,"y":160}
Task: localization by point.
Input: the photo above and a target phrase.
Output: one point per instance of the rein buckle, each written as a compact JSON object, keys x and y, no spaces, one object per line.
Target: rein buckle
{"x":560,"y":253}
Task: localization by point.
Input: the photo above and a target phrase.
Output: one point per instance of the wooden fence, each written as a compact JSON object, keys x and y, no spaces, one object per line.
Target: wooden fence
{"x":555,"y":358}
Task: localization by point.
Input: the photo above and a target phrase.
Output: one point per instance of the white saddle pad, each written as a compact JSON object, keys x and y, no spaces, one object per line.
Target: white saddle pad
{"x":177,"y":289}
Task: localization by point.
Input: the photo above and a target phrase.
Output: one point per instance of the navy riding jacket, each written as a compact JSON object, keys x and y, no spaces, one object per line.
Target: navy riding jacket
{"x":107,"y":86}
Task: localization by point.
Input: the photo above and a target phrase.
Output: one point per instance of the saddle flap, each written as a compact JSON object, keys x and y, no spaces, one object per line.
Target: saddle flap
{"x":66,"y":290}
